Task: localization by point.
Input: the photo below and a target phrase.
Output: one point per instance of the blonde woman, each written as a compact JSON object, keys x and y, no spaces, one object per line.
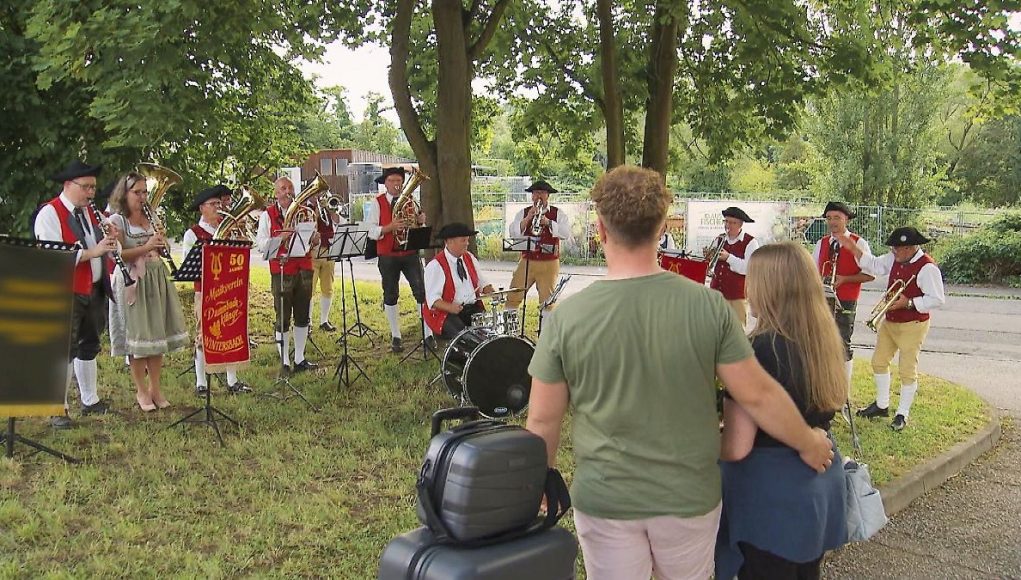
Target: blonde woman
{"x":146,"y":321}
{"x":780,"y":516}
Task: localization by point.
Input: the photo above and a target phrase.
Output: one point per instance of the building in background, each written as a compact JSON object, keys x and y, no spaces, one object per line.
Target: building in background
{"x":350,"y":172}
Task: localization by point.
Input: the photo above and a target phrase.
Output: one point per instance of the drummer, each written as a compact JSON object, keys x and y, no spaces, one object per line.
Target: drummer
{"x":453,"y":283}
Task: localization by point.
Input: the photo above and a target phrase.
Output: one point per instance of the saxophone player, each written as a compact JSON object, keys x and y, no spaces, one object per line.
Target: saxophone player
{"x":550,"y":225}
{"x":840,"y":266}
{"x":907,"y":318}
{"x":729,"y":273}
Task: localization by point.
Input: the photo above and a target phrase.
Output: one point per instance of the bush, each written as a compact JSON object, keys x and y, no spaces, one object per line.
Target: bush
{"x":990,"y":254}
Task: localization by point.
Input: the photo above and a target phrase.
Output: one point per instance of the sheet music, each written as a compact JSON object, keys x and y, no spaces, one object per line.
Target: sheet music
{"x":301,"y":239}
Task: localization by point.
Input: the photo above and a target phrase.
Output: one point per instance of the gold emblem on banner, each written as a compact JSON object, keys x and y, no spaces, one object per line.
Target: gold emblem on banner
{"x":217,"y":266}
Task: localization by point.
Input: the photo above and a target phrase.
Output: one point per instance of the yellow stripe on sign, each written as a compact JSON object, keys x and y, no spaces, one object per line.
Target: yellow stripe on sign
{"x":25,"y":305}
{"x":32,"y":287}
{"x":32,"y":410}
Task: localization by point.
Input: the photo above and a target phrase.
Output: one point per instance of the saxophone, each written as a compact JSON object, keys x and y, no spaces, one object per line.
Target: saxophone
{"x":117,"y":259}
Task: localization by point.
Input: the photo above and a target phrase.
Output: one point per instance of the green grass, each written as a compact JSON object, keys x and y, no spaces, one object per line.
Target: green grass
{"x":295,"y":493}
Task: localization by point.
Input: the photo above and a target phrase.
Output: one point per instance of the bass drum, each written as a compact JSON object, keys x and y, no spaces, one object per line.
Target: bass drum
{"x":489,"y":371}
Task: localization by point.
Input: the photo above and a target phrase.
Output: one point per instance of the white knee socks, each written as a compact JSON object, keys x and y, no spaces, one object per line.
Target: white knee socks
{"x":87,"y":372}
{"x":300,"y":337}
{"x":232,"y":378}
{"x":324,"y":309}
{"x":907,"y":396}
{"x":883,"y":391}
{"x":391,"y":317}
{"x":849,"y":371}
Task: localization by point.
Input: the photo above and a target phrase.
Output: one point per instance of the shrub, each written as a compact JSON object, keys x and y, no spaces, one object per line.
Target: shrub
{"x":990,"y":254}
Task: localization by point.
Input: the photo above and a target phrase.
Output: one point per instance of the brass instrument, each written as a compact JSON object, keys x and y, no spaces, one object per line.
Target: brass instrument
{"x":713,"y":255}
{"x":162,"y":180}
{"x":236,"y":223}
{"x":540,"y":211}
{"x":116,"y":255}
{"x":829,"y":282}
{"x":299,"y":207}
{"x":892,"y":294}
{"x":406,"y":209}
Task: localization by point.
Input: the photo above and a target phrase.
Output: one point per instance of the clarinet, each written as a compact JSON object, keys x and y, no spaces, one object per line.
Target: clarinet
{"x":128,"y":280}
{"x":157,"y":226}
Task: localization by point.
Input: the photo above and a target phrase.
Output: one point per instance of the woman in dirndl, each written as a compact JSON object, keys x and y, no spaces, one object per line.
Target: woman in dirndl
{"x":146,"y":321}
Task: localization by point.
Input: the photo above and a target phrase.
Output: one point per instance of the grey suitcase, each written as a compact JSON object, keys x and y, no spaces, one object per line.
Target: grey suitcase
{"x":546,"y":555}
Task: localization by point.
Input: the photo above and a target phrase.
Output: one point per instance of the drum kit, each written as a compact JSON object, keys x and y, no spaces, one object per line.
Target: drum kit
{"x":486,"y":365}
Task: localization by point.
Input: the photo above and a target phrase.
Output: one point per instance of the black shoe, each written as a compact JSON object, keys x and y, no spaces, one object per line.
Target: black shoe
{"x":327,"y":327}
{"x":305,"y":365}
{"x":873,"y":410}
{"x":899,"y":422}
{"x":239,"y":387}
{"x":395,"y":345}
{"x":99,"y":408}
{"x":201,"y":390}
{"x":430,"y":343}
{"x":60,"y":422}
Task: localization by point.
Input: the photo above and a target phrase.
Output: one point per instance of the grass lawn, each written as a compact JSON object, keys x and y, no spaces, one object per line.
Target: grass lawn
{"x":295,"y":493}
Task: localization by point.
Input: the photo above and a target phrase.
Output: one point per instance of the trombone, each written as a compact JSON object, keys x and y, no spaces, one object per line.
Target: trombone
{"x":879,"y":310}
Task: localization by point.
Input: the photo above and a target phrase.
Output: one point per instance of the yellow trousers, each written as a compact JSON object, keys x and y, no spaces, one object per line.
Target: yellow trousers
{"x":322,"y":270}
{"x":542,"y":273}
{"x":906,"y":337}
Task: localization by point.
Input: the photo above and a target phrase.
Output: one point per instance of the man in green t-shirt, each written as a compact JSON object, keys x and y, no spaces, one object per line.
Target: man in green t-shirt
{"x":636,"y":355}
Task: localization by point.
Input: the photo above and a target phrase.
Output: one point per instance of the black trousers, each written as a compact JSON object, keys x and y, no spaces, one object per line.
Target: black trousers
{"x":88,"y":319}
{"x":845,"y":323}
{"x":455,"y":323}
{"x":391,"y":268}
{"x":763,"y":565}
{"x":293,"y":294}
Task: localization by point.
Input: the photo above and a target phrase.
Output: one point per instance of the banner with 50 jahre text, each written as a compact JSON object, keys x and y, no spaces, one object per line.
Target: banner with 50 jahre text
{"x":225,"y":306}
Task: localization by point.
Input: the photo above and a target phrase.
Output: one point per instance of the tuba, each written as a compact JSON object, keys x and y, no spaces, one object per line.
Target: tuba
{"x":161,"y":179}
{"x":299,"y":210}
{"x":879,"y":310}
{"x":406,"y":208}
{"x":236,"y":220}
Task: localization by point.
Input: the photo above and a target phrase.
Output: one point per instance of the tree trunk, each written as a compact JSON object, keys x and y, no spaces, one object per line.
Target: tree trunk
{"x":659,"y":109}
{"x":613,"y":106}
{"x":453,"y":115}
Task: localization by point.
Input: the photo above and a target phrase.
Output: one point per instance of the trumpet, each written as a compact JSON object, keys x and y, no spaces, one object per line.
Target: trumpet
{"x":892,"y":294}
{"x":540,"y":211}
{"x":829,"y":282}
{"x":117,"y":259}
{"x":714,"y":255}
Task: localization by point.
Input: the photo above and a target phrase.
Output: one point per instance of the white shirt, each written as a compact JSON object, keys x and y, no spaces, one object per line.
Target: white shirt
{"x":929,"y":280}
{"x":190,"y":238}
{"x":670,"y":244}
{"x":47,"y":227}
{"x":740,"y":265}
{"x":464,"y":292}
{"x":371,"y":221}
{"x":862,"y":244}
{"x":561,"y":227}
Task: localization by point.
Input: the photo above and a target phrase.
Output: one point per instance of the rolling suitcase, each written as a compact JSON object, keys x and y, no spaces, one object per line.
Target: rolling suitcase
{"x":546,"y":555}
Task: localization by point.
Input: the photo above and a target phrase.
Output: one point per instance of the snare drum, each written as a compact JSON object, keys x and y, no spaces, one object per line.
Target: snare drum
{"x":489,"y":370}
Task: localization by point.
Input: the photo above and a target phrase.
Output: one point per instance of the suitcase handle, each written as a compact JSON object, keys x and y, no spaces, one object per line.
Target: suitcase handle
{"x":450,"y":414}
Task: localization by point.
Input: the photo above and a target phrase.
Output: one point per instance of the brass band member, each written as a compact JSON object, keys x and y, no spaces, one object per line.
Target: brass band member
{"x":453,"y":283}
{"x":738,"y":247}
{"x":291,"y":278}
{"x":208,"y":203}
{"x":848,"y":278}
{"x":907,"y":320}
{"x":66,"y":218}
{"x":322,"y":268}
{"x":392,"y":262}
{"x":543,"y":263}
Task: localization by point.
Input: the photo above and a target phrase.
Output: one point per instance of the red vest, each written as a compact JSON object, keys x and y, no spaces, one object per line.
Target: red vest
{"x":201,"y":234}
{"x":385,"y":244}
{"x":846,"y":266}
{"x":546,"y":238}
{"x":435,"y":317}
{"x":903,"y":272}
{"x":83,"y":271}
{"x":293,"y":265}
{"x":325,"y":229}
{"x":727,"y":281}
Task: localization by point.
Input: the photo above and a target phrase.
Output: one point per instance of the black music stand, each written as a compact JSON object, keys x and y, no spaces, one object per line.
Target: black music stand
{"x":346,"y":243}
{"x":190,"y":271}
{"x":420,"y":239}
{"x":524,"y":245}
{"x":283,"y":379}
{"x":359,"y":328}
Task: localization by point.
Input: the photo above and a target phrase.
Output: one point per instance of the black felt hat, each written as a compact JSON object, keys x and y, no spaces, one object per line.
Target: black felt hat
{"x":214,"y":192}
{"x":455,"y":230}
{"x":738,"y":213}
{"x":76,"y":169}
{"x":540,"y":184}
{"x":398,"y":170}
{"x":906,"y":236}
{"x":838,"y":206}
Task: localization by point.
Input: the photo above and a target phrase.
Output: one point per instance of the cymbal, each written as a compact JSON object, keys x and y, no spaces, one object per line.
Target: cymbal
{"x":503,"y":292}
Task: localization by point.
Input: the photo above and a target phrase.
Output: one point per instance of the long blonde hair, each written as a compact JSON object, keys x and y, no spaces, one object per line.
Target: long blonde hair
{"x":785,"y":293}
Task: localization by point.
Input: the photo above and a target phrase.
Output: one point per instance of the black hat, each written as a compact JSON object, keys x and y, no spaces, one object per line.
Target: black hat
{"x":541,"y":185}
{"x":215,"y":192}
{"x":906,"y":236}
{"x":838,"y":206}
{"x":76,"y":169}
{"x":455,"y":230}
{"x":738,"y":213}
{"x":397,"y":170}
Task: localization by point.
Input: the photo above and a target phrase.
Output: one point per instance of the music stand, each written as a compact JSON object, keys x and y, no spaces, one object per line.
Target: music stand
{"x":190,"y":270}
{"x":420,"y":239}
{"x":283,"y":379}
{"x":525,"y":245}
{"x":347,"y":242}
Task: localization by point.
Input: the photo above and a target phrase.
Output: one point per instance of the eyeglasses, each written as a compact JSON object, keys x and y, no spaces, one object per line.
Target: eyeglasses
{"x":213,"y":204}
{"x":85,"y":186}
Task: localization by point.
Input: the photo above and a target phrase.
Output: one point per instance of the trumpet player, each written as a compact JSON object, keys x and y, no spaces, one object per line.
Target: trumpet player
{"x":906,"y":317}
{"x":66,"y":218}
{"x":728,"y":274}
{"x":839,"y":268}
{"x":541,"y":266}
{"x":392,"y":262}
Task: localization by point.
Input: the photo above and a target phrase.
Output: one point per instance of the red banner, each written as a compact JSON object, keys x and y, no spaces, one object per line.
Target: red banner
{"x":225,"y":306}
{"x":692,"y":269}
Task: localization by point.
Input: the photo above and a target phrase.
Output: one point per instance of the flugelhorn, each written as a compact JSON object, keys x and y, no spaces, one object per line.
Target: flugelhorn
{"x":116,"y":255}
{"x":162,"y":179}
{"x":879,"y":310}
{"x":406,"y":209}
